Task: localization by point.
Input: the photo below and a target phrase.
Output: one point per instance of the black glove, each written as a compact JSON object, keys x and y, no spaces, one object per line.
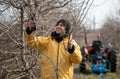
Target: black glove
{"x":71,"y":50}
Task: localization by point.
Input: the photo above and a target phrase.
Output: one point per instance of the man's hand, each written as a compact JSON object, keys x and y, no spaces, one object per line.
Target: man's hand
{"x":71,"y":46}
{"x":31,"y":25}
{"x":70,"y":42}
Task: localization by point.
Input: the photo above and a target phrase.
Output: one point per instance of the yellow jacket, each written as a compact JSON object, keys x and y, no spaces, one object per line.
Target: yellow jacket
{"x":56,"y":62}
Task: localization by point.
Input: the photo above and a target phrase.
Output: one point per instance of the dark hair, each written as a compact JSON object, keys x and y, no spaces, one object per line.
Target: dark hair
{"x":66,"y":23}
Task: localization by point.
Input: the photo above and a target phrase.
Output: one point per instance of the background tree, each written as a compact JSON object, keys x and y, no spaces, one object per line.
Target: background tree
{"x":110,"y":33}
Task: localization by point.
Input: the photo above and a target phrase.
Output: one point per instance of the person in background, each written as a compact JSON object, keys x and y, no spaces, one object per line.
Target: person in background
{"x":96,"y":46}
{"x":108,"y":48}
{"x":59,"y":47}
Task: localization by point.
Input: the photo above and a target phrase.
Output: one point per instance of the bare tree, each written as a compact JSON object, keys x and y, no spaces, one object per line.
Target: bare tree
{"x":17,"y":60}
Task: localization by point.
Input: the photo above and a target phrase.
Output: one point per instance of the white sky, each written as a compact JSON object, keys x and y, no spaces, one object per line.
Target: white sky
{"x":102,"y":9}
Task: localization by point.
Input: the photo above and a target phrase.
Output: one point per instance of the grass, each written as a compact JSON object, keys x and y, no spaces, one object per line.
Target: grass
{"x":89,"y":75}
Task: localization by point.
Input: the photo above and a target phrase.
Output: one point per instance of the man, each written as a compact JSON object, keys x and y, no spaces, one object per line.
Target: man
{"x":59,"y":52}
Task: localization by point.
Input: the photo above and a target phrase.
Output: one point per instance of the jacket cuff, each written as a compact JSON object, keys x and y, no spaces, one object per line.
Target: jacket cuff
{"x":71,"y":50}
{"x":28,"y":31}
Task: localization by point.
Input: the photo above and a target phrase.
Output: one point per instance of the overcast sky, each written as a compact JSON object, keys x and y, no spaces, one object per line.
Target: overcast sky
{"x":102,"y":9}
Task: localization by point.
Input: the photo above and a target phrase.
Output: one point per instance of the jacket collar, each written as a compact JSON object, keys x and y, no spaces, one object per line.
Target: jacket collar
{"x":57,"y":37}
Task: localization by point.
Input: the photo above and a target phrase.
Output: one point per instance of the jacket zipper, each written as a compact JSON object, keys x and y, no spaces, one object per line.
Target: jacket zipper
{"x":57,"y":61}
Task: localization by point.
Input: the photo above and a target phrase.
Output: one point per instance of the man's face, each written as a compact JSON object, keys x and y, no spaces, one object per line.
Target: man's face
{"x":60,"y":29}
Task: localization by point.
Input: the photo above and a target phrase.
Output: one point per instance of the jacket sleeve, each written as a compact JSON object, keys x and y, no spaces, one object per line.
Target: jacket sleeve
{"x":76,"y":56}
{"x":36,"y":42}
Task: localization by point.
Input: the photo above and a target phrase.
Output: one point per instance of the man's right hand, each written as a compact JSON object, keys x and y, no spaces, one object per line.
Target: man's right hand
{"x":31,"y":25}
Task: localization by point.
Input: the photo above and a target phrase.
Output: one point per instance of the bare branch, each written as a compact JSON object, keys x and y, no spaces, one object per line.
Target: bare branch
{"x":12,"y":38}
